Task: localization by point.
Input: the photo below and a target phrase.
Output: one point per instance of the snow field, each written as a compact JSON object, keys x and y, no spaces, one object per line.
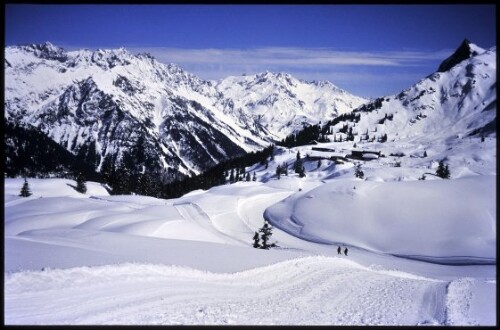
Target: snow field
{"x":471,"y":301}
{"x":306,"y":291}
{"x":131,"y":259}
{"x":48,"y":188}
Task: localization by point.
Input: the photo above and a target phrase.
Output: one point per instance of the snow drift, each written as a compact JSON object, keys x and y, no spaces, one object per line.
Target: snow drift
{"x":452,"y":219}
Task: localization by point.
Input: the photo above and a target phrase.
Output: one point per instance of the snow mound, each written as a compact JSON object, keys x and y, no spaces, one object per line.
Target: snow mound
{"x":437,"y":218}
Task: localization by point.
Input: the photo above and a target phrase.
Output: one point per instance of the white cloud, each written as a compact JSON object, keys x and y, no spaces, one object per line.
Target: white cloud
{"x":293,"y":57}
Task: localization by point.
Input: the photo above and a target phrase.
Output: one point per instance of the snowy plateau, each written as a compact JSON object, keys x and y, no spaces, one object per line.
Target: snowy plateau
{"x":420,"y":252}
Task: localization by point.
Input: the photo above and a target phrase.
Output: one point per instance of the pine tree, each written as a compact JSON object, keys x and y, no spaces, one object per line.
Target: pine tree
{"x":231,"y":176}
{"x":25,"y":190}
{"x":443,"y":171}
{"x":256,"y":239}
{"x":254,"y":177}
{"x":122,"y":185}
{"x":278,"y":171}
{"x":248,"y":177}
{"x":297,"y":166}
{"x":81,"y":187}
{"x":425,"y":153}
{"x":267,"y":232}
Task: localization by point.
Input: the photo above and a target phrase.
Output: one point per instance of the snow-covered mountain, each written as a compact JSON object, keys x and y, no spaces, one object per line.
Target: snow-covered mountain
{"x":458,"y":100}
{"x":282,"y":104}
{"x":111,"y":102}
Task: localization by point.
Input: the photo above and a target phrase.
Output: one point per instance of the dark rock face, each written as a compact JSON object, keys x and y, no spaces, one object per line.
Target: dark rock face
{"x":48,"y":51}
{"x":463,"y":52}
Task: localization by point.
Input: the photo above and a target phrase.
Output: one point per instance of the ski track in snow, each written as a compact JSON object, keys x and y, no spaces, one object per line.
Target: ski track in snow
{"x":306,"y":291}
{"x":194,"y":214}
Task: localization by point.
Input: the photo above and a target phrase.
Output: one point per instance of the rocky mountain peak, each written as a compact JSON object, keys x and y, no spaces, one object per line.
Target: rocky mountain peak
{"x":47,"y":51}
{"x":464,"y":51}
{"x":110,"y":58}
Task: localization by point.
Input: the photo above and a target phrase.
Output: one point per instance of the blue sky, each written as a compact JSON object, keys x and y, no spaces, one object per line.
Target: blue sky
{"x":369,"y":50}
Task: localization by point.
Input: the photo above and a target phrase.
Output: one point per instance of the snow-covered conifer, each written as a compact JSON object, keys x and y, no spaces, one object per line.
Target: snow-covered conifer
{"x":25,"y":190}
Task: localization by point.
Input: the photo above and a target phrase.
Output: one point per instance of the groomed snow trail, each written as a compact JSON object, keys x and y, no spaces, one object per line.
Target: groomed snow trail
{"x":305,"y":291}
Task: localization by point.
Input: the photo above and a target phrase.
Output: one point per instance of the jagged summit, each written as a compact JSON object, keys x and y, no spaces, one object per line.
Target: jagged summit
{"x":46,"y":50}
{"x":464,"y":51}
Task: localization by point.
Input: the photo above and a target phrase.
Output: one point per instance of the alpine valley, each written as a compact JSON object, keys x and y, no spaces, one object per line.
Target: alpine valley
{"x":299,"y":203}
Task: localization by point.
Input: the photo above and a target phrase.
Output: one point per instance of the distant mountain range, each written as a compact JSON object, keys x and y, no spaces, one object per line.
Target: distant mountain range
{"x":111,"y":103}
{"x":109,"y":106}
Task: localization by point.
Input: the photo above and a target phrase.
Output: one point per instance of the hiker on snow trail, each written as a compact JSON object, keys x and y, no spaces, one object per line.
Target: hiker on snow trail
{"x":339,"y":250}
{"x":345,"y":251}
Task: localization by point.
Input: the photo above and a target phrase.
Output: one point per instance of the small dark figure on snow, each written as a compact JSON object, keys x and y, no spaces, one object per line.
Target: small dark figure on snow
{"x":345,"y":251}
{"x":339,"y":250}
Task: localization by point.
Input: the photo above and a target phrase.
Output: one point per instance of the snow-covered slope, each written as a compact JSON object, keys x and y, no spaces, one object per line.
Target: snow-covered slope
{"x":455,"y":103}
{"x":111,"y":102}
{"x":431,"y":218}
{"x":129,"y":259}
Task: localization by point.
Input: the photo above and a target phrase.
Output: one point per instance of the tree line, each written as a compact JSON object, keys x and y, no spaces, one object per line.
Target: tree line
{"x":124,"y":181}
{"x":308,"y":135}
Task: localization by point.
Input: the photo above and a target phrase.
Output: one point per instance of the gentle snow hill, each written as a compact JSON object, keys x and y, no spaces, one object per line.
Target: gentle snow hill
{"x":123,"y":259}
{"x":63,"y":231}
{"x":441,"y":219}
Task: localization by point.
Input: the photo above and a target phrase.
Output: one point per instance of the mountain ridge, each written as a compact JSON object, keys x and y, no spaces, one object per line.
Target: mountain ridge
{"x":101,"y":94}
{"x":120,"y":104}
